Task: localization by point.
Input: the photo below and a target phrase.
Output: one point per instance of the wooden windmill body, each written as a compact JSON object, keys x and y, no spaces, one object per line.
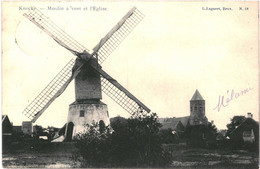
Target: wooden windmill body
{"x":90,"y":79}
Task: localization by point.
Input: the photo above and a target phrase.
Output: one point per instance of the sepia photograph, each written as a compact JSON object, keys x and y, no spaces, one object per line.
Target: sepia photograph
{"x":130,"y":84}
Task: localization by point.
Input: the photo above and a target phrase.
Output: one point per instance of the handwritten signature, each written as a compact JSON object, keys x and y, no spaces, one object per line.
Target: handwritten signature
{"x":230,"y":96}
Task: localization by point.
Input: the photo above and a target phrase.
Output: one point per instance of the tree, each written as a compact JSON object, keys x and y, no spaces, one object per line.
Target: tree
{"x":138,"y":141}
{"x":133,"y":143}
{"x":235,"y":122}
{"x":212,"y":129}
{"x":203,"y":135}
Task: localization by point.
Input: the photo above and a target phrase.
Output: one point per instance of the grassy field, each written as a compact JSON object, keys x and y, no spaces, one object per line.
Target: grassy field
{"x":44,"y":155}
{"x":64,"y":155}
{"x":186,"y":157}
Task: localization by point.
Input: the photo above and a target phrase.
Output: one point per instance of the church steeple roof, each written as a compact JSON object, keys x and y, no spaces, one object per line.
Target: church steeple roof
{"x":197,"y":96}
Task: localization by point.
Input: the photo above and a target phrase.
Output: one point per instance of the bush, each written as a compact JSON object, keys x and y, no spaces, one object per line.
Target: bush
{"x":133,"y":143}
{"x":94,"y":145}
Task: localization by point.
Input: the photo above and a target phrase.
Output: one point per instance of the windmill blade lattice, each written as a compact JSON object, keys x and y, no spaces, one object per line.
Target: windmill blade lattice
{"x":121,"y":98}
{"x":49,"y":27}
{"x":117,"y":34}
{"x":50,"y":92}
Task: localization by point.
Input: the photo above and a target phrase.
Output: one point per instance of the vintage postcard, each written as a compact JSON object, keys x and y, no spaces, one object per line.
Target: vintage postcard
{"x":130,"y":84}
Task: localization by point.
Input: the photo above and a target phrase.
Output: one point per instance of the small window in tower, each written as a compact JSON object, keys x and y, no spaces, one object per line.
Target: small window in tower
{"x":200,"y":108}
{"x":195,"y":107}
{"x":81,"y":113}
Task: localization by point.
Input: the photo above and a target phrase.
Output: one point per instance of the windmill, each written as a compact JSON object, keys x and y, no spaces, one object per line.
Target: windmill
{"x":90,"y":79}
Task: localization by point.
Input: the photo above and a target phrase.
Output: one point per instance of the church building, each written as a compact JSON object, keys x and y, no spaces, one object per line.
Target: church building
{"x":197,"y":116}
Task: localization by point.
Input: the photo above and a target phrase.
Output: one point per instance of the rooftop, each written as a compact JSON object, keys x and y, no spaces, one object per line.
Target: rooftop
{"x":197,"y":96}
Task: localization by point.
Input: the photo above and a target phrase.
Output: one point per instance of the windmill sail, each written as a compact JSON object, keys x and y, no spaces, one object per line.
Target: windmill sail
{"x":119,"y":94}
{"x":117,"y":34}
{"x":53,"y":90}
{"x":49,"y":27}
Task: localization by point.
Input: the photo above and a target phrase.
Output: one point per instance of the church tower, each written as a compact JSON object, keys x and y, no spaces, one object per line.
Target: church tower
{"x":197,"y":110}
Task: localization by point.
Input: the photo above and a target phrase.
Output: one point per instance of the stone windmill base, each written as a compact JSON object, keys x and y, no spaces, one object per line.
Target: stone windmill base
{"x":83,"y":113}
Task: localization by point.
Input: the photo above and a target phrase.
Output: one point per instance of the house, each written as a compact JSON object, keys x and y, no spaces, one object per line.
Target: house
{"x":7,"y":126}
{"x":27,"y":127}
{"x":17,"y":129}
{"x":221,"y":135}
{"x":177,"y":125}
{"x":246,"y":134}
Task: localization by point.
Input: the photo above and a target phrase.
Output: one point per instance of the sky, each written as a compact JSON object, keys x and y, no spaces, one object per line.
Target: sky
{"x":176,"y":49}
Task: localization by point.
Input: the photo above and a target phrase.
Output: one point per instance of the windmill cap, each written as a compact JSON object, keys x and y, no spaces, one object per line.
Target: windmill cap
{"x":197,"y":96}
